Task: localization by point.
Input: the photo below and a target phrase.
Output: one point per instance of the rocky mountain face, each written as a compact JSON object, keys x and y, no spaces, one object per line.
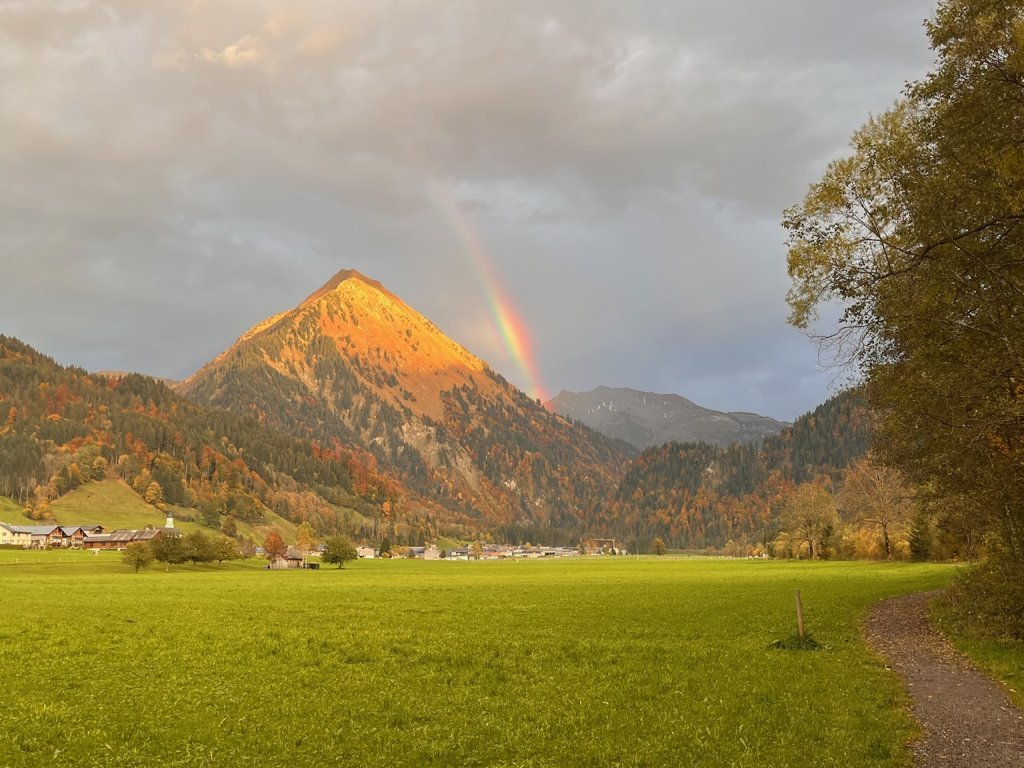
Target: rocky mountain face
{"x":353,"y":365}
{"x":645,"y":419}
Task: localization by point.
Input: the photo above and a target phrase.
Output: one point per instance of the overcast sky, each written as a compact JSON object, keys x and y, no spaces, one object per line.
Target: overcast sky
{"x":173,"y":172}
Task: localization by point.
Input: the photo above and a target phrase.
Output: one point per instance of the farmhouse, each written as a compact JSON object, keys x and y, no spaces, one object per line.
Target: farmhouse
{"x":50,"y":536}
{"x":122,"y":537}
{"x":74,"y":535}
{"x":44,"y":536}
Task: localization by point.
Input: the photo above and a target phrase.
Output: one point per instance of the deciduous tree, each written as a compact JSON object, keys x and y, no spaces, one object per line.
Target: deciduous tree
{"x":99,"y":468}
{"x":247,"y":547}
{"x":338,"y":549}
{"x":274,"y":546}
{"x":154,"y":495}
{"x":919,"y":234}
{"x":169,"y":549}
{"x":305,"y":538}
{"x":137,"y":555}
{"x":225,"y":549}
{"x":877,"y":496}
{"x":199,"y":548}
{"x":809,"y":517}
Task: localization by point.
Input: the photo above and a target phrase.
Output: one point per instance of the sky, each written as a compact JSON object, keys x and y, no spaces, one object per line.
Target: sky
{"x":582,"y":192}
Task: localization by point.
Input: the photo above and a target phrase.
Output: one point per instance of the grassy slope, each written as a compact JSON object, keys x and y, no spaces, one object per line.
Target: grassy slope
{"x":611,"y":661}
{"x":13,"y":512}
{"x":113,"y":504}
{"x":284,"y":527}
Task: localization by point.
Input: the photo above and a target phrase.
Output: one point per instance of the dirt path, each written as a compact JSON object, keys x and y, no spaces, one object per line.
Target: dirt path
{"x":968,"y":720}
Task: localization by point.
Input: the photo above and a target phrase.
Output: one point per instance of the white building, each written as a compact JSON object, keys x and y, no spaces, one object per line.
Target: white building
{"x":15,"y":535}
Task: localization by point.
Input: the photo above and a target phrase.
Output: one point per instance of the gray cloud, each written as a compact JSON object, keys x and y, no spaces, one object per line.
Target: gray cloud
{"x":172,"y":173}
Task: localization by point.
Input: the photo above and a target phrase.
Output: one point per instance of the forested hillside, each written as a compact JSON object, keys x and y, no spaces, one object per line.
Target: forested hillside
{"x":697,"y":495}
{"x":61,"y":427}
{"x":355,"y":365}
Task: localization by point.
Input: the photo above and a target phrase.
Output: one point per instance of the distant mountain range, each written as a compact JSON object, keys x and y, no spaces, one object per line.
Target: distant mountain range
{"x":646,"y":419}
{"x":354,"y":413}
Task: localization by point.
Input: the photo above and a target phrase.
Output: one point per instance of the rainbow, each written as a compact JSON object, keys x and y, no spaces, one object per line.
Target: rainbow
{"x":511,"y":327}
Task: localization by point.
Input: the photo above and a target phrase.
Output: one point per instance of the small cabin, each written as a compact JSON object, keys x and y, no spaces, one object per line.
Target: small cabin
{"x":292,"y":558}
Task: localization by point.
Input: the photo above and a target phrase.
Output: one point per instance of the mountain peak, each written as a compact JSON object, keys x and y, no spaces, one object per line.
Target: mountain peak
{"x":648,"y":418}
{"x":342,"y":277}
{"x":356,"y":368}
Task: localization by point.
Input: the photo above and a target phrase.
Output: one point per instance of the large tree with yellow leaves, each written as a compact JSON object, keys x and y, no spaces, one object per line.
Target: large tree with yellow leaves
{"x":918,"y":236}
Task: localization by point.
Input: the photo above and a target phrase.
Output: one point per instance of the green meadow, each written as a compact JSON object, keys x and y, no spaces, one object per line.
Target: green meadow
{"x":595,"y":662}
{"x":113,"y":504}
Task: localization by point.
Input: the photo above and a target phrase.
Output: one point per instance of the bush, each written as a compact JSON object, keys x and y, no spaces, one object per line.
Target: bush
{"x":988,"y":600}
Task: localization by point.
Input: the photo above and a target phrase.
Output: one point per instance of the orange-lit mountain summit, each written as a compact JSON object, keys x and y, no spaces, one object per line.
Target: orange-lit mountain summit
{"x":355,"y":365}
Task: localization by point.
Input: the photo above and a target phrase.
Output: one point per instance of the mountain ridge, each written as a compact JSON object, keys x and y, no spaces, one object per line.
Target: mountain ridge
{"x":497,"y":467}
{"x":646,"y":419}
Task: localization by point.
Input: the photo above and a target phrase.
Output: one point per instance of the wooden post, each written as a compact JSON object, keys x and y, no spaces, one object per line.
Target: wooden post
{"x":799,"y":616}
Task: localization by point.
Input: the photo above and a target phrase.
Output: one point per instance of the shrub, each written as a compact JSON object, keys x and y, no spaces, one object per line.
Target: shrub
{"x":988,"y":600}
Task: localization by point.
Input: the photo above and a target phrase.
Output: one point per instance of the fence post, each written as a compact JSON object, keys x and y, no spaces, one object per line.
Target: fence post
{"x":799,"y":616}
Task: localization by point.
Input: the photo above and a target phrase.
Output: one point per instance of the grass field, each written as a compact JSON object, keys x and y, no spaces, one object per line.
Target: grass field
{"x":112,"y":504}
{"x":1003,"y":660}
{"x":12,"y":512}
{"x":602,"y":662}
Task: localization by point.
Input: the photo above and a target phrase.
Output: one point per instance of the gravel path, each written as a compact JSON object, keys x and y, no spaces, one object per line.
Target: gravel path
{"x":968,"y":720}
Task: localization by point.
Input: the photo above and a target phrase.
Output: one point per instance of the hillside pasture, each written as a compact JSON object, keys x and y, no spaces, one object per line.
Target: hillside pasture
{"x":113,"y":504}
{"x":12,"y":512}
{"x":598,"y":662}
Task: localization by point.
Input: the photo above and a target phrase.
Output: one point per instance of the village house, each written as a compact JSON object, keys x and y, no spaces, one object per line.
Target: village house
{"x":74,"y":535}
{"x":41,"y":536}
{"x":51,"y":536}
{"x":46,"y":536}
{"x":14,"y":536}
{"x":366,"y":552}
